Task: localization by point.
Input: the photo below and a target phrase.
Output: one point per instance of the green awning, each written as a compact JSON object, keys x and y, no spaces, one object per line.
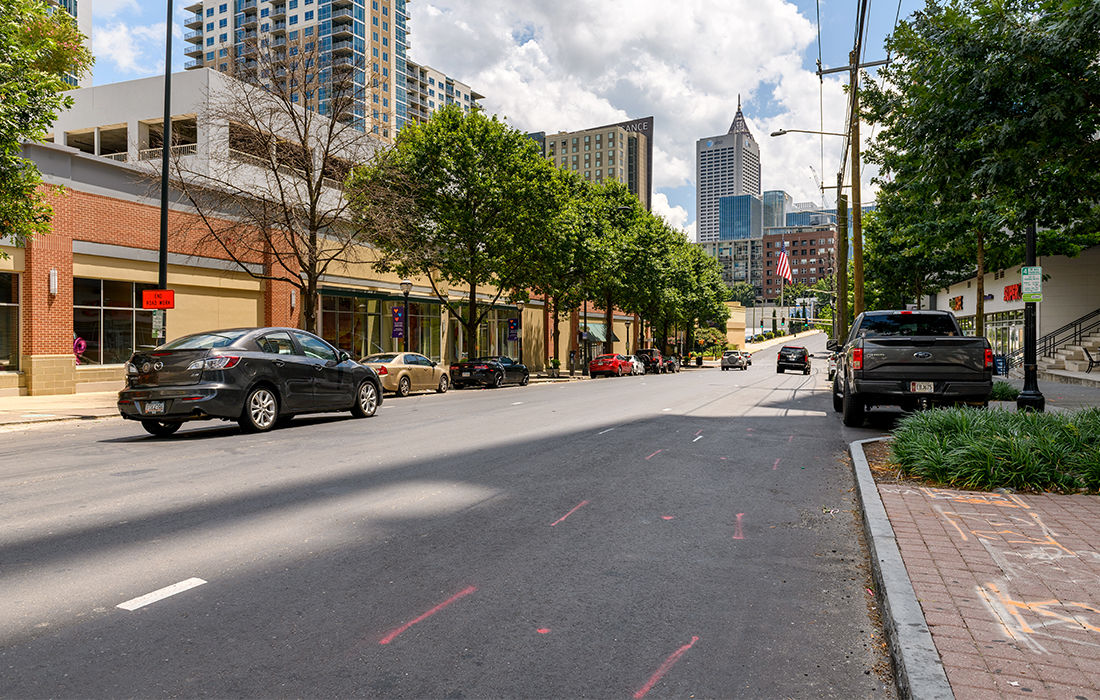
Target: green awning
{"x":597,"y":333}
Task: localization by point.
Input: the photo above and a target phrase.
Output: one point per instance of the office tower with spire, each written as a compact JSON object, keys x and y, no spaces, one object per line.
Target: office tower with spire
{"x":727,"y":165}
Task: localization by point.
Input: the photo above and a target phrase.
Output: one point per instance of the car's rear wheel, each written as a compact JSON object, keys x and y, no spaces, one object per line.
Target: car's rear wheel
{"x":852,"y":410}
{"x":404,"y":386}
{"x":443,"y":385}
{"x":457,"y":385}
{"x":366,"y":400}
{"x":498,"y":381}
{"x":160,"y":428}
{"x":261,"y":411}
{"x":806,"y":371}
{"x":526,"y":379}
{"x":838,"y":403}
{"x":779,"y":370}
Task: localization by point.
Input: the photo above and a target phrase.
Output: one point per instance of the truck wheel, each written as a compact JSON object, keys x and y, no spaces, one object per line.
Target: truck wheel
{"x":852,"y":410}
{"x":838,"y":404}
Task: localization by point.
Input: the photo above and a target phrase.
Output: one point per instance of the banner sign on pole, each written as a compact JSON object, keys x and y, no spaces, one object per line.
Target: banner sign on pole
{"x":398,"y":323}
{"x":513,"y":328}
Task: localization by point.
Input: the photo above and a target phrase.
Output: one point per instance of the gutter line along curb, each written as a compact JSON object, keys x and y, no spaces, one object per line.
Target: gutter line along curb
{"x":918,"y":669}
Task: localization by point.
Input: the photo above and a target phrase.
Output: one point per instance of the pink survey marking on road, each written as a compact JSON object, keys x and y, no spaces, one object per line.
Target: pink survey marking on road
{"x":543,"y":630}
{"x":790,"y":439}
{"x":700,"y":432}
{"x":577,"y":507}
{"x":654,"y":454}
{"x":737,"y":533}
{"x":664,"y":668}
{"x":394,"y":634}
{"x":776,"y":465}
{"x":667,"y":517}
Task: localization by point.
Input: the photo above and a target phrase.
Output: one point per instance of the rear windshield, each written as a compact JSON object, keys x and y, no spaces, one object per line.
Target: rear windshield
{"x":381,"y":359}
{"x":907,"y":324}
{"x":606,"y":357}
{"x":205,"y":341}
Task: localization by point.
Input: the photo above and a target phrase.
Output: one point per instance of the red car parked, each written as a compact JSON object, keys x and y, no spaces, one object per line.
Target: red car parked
{"x":610,"y":365}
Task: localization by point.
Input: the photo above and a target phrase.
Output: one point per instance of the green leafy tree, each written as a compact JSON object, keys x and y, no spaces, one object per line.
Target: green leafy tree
{"x":742,"y":292}
{"x":484,"y":199}
{"x":38,"y":49}
{"x":988,"y":116}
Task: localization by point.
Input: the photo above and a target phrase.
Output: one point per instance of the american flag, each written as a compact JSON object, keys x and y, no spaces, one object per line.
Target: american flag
{"x":783,"y":267}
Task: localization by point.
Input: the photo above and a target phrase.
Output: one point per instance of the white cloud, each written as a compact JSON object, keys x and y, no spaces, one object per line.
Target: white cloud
{"x":574,"y":64}
{"x":111,"y":8}
{"x":676,"y":216}
{"x":132,"y":49}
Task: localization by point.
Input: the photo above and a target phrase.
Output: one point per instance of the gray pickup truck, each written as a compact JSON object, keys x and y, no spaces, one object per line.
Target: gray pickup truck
{"x":912,"y":359}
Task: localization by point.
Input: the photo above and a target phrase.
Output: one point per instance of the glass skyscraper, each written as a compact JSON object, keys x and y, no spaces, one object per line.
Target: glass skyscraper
{"x":740,"y":217}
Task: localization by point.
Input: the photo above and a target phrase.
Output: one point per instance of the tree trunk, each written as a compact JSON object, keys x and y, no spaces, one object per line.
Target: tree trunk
{"x":309,"y":305}
{"x":689,"y":336}
{"x":979,"y":308}
{"x":470,"y":324}
{"x":609,"y":317}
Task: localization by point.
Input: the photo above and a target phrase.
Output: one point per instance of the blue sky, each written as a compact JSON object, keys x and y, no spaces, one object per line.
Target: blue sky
{"x":574,"y":64}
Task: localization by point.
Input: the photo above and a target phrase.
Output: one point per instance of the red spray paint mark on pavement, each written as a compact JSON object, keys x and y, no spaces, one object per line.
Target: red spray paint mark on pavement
{"x":394,"y":634}
{"x":577,"y":507}
{"x":654,"y":454}
{"x":749,"y":430}
{"x":664,"y":668}
{"x":700,"y":432}
{"x":790,"y":439}
{"x":776,"y":465}
{"x":737,"y":534}
{"x":543,"y":630}
{"x":667,"y":517}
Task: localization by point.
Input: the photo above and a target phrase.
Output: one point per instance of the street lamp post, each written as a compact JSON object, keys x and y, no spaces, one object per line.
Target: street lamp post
{"x":519,"y":331}
{"x":1030,"y":398}
{"x":406,"y":287}
{"x":584,"y":339}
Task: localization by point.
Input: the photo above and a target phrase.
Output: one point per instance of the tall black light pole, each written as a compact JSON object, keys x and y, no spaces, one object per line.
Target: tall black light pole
{"x":519,"y":331}
{"x":166,"y":139}
{"x":1030,"y":398}
{"x":584,"y":339}
{"x":406,"y":287}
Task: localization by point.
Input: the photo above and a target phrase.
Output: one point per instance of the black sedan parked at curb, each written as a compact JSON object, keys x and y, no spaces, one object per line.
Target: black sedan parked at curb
{"x":495,"y":371}
{"x":258,"y":377}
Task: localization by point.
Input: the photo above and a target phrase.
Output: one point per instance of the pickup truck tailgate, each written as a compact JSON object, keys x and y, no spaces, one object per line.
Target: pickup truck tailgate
{"x":957,"y":358}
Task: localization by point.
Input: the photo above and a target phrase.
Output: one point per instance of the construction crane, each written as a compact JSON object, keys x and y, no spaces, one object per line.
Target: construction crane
{"x":820,"y":185}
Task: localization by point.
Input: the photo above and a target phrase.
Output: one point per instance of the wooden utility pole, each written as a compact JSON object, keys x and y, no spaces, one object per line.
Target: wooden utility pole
{"x":840,"y":265}
{"x":857,"y":213}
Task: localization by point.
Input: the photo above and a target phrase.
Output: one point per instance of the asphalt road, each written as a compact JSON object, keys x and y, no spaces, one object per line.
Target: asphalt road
{"x":688,"y":535}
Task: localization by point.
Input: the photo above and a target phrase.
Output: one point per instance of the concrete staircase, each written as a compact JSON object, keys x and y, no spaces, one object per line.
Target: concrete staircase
{"x":1072,"y":357}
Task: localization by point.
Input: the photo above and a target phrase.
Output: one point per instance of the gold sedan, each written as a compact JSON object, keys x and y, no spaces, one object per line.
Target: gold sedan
{"x":406,"y":372}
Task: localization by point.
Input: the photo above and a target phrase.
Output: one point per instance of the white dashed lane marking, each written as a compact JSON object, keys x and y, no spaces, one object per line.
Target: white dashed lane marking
{"x":166,"y":592}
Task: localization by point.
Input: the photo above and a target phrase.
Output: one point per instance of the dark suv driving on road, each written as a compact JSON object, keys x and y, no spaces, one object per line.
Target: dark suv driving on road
{"x":652,"y":359}
{"x":793,"y":357}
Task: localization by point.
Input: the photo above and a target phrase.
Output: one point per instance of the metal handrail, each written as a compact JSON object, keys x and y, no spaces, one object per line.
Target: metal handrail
{"x":1070,"y":334}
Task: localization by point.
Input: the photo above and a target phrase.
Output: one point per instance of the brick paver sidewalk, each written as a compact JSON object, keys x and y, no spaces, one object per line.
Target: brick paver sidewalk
{"x":1009,"y":585}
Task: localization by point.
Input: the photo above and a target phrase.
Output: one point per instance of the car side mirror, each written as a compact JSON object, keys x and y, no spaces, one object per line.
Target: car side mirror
{"x":832,"y":345}
{"x":344,"y":356}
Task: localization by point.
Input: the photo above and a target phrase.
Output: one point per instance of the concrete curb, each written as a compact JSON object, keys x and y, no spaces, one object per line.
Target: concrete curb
{"x":918,"y":669}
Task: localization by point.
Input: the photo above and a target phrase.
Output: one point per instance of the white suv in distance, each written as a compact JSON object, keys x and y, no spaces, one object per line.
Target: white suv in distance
{"x":734,"y":359}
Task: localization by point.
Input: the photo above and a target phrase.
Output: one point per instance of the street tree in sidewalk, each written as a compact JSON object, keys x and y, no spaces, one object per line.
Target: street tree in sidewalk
{"x":269,"y":190}
{"x":702,"y":292}
{"x":39,"y":47}
{"x":620,"y":213}
{"x":990,"y":111}
{"x":483,"y":200}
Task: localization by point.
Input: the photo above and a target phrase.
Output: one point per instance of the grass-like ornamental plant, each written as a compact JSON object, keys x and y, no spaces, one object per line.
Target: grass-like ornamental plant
{"x":1003,"y":391}
{"x":986,"y":449}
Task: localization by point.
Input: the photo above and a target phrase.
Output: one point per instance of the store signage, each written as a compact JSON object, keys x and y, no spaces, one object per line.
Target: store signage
{"x":956,"y":303}
{"x":513,"y":328}
{"x":398,"y":323}
{"x":1012,"y":292}
{"x":158,"y":299}
{"x":1031,"y":281}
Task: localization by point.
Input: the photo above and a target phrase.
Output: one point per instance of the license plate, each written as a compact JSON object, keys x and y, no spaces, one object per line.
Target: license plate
{"x":465,"y":374}
{"x":154,"y":407}
{"x":922,"y":387}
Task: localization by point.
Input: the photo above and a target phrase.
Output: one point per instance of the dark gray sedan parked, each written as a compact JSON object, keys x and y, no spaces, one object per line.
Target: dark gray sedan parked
{"x":255,"y":376}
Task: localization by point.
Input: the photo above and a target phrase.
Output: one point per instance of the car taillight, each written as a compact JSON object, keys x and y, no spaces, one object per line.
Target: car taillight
{"x":857,"y":358}
{"x":988,"y":358}
{"x":215,"y":363}
{"x":381,"y":369}
{"x":481,"y":366}
{"x":454,"y":368}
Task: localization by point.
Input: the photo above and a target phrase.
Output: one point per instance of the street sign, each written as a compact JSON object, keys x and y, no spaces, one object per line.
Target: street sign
{"x":158,"y":324}
{"x":158,"y":299}
{"x":1031,"y":284}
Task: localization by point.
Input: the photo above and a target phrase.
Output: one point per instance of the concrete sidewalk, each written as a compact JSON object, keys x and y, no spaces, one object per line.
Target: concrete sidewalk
{"x":38,"y":409}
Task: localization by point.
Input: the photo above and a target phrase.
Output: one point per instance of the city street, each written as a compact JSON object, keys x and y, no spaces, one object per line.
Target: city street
{"x":683,"y":535}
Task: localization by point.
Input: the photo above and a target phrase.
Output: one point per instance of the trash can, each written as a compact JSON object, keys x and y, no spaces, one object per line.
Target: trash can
{"x":698,"y":360}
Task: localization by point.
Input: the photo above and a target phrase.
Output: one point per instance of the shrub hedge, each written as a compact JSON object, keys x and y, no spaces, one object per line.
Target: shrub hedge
{"x":974,"y":448}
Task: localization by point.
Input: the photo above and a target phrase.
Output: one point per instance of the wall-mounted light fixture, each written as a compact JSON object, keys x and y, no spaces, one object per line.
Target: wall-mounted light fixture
{"x":53,"y":282}
{"x":293,"y":298}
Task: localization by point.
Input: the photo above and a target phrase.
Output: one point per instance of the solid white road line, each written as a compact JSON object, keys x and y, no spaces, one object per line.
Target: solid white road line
{"x":163,"y":593}
{"x":605,"y":431}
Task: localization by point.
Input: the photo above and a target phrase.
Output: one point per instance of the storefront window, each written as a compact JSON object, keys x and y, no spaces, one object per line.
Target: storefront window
{"x":108,"y":323}
{"x":364,"y":326}
{"x":492,"y":335}
{"x":9,"y":322}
